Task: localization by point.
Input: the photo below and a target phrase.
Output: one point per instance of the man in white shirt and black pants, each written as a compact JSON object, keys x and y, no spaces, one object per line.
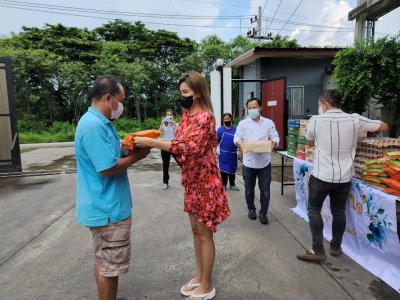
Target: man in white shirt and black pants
{"x":256,"y":165}
{"x":334,"y":134}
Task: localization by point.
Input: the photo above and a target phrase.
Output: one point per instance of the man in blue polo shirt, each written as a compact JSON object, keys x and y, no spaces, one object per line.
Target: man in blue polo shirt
{"x":104,"y":201}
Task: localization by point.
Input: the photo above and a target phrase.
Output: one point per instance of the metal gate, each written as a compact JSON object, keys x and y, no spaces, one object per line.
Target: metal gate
{"x":275,"y":106}
{"x":10,"y":157}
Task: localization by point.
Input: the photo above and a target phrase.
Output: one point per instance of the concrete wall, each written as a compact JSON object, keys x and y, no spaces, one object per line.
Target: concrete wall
{"x":306,"y":72}
{"x":245,"y":88}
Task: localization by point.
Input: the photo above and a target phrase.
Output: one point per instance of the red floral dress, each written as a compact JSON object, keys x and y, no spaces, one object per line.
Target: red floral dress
{"x":205,"y":196}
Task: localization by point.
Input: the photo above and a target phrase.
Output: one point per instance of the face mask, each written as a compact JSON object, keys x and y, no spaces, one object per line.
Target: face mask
{"x":169,"y":118}
{"x":115,"y":114}
{"x":228,"y":123}
{"x":186,"y":102}
{"x":254,"y":113}
{"x":320,"y":110}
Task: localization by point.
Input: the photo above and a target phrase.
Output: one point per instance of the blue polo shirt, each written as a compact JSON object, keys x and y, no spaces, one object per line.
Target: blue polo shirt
{"x":97,"y":148}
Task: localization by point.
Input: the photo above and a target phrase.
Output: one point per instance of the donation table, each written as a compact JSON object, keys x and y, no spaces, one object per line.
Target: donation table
{"x":284,"y":155}
{"x":371,"y":237}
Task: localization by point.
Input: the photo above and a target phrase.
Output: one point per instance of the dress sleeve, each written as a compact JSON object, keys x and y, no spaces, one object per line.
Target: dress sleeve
{"x":196,"y":140}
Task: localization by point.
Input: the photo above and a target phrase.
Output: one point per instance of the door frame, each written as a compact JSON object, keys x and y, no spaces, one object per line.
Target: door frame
{"x":15,"y":162}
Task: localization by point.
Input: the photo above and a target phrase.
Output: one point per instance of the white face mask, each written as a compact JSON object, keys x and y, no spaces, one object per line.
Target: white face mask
{"x":320,"y":110}
{"x":115,"y":114}
{"x":254,"y":113}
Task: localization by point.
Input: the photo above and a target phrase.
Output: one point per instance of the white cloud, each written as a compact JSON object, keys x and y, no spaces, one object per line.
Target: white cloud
{"x":331,"y":15}
{"x":309,"y":15}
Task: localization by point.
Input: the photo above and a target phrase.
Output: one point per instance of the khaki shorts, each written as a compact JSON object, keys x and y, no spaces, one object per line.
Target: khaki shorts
{"x":112,"y":247}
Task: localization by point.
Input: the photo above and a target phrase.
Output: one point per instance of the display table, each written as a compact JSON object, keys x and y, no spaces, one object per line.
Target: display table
{"x":284,"y":155}
{"x":371,"y":237}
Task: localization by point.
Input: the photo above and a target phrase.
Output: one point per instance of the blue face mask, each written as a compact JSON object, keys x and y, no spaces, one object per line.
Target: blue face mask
{"x":169,"y":118}
{"x":254,"y":113}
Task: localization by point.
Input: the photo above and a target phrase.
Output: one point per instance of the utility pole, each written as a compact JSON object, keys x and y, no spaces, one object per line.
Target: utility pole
{"x":252,"y":33}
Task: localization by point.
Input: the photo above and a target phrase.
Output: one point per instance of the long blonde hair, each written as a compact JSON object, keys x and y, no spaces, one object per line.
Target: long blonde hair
{"x":199,"y":85}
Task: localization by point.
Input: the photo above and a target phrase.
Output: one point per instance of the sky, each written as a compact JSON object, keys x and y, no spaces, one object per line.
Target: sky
{"x":317,"y":23}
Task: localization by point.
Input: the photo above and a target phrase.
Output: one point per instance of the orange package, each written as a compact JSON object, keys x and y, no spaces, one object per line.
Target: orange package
{"x":392,"y":183}
{"x":391,"y":191}
{"x":127,"y":143}
{"x":389,"y":171}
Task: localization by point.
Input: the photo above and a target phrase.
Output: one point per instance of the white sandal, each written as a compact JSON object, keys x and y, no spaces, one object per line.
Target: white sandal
{"x":206,"y":296}
{"x":189,"y":285}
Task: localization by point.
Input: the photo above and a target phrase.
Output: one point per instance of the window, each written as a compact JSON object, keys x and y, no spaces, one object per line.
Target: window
{"x":295,"y":95}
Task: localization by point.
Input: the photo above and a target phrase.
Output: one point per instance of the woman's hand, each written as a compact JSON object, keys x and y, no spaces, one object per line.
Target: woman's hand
{"x":142,"y":142}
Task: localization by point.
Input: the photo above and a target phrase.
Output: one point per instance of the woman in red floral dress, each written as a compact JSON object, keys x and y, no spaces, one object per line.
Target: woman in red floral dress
{"x":205,"y":198}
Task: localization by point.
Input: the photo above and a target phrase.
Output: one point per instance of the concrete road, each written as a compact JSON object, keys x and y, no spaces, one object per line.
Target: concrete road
{"x":44,"y":254}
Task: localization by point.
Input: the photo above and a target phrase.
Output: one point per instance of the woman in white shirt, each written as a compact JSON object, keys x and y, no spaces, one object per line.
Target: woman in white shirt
{"x":168,"y":129}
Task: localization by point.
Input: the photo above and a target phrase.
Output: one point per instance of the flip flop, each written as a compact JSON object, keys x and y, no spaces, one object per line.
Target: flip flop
{"x":206,"y":296}
{"x":189,"y":285}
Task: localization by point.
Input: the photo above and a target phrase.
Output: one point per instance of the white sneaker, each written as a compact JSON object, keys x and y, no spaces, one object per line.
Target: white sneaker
{"x":165,"y":186}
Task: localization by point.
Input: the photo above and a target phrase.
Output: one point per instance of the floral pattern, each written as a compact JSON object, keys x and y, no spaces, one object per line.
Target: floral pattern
{"x":205,"y":196}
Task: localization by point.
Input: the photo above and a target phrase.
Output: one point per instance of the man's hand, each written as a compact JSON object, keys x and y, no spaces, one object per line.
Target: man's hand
{"x":141,"y":153}
{"x":240,"y":145}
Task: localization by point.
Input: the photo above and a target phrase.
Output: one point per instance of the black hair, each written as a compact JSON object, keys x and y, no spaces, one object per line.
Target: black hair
{"x":333,"y":97}
{"x":253,"y":99}
{"x":106,"y":84}
{"x":227,"y":114}
{"x":169,"y":110}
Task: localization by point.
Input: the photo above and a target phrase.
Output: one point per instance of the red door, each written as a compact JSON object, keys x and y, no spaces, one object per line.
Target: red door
{"x":274,"y":106}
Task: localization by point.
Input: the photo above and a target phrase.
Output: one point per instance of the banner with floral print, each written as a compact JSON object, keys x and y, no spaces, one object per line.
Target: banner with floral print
{"x":371,"y":237}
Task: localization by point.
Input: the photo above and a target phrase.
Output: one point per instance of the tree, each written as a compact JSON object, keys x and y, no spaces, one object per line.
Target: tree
{"x":371,"y":71}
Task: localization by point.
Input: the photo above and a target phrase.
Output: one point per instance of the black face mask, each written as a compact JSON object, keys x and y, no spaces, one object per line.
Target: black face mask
{"x":186,"y":102}
{"x":228,"y":123}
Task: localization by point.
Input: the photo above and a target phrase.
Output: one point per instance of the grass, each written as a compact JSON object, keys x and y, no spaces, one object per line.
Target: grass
{"x":33,"y":131}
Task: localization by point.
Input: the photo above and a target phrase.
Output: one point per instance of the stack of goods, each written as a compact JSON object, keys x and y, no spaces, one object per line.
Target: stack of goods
{"x":301,"y":140}
{"x":310,"y":154}
{"x":392,"y":169}
{"x":373,"y":173}
{"x":293,"y":132}
{"x":370,"y":149}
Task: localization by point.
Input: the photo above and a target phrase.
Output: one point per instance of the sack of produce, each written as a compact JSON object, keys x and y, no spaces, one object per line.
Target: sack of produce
{"x":127,"y":142}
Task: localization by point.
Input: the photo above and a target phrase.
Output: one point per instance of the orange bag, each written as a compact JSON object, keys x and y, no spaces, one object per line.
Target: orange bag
{"x":393,"y":183}
{"x":127,"y":143}
{"x":377,"y":180}
{"x":391,"y":191}
{"x":391,"y":172}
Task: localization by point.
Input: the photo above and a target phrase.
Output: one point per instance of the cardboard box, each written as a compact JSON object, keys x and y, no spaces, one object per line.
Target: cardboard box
{"x":301,"y":155}
{"x":301,"y":140}
{"x":257,"y":146}
{"x":301,"y":147}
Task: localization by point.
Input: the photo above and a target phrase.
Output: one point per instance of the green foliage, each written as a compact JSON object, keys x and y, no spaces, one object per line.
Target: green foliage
{"x":371,"y":71}
{"x":281,"y":42}
{"x":127,"y":125}
{"x":151,"y":123}
{"x":55,"y":66}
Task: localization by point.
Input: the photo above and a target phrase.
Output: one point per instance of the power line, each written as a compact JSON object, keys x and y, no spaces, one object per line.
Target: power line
{"x":298,"y":5}
{"x":41,"y":8}
{"x":218,"y":3}
{"x":274,"y":15}
{"x":265,"y":5}
{"x":123,"y":13}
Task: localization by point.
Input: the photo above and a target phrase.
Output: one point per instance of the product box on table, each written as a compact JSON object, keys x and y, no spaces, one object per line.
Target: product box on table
{"x":301,"y":147}
{"x":257,"y":146}
{"x":301,"y":155}
{"x":301,"y":139}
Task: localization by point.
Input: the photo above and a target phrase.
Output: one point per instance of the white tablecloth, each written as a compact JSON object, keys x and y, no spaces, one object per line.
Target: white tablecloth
{"x":371,"y":231}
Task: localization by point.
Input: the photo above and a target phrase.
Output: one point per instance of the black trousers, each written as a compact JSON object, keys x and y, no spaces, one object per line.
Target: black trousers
{"x":166,"y":157}
{"x":338,"y":192}
{"x":225,"y":178}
